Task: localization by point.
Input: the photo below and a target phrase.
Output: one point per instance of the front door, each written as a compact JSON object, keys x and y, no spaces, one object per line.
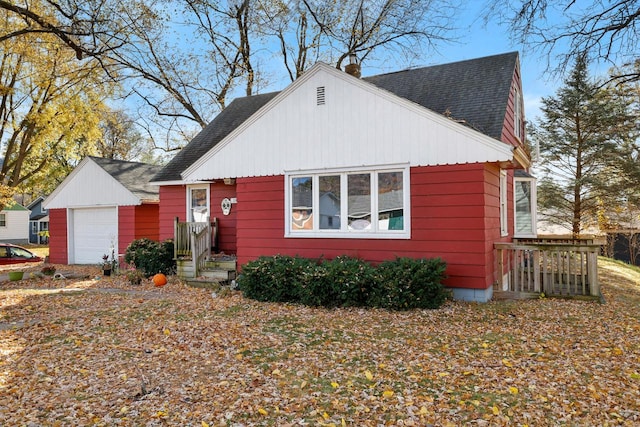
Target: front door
{"x":198,"y":203}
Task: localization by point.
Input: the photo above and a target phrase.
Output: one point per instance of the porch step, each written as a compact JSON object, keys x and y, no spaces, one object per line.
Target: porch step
{"x":213,"y":270}
{"x":205,"y":284}
{"x":212,"y":279}
{"x":215,"y":264}
{"x":218,"y":274}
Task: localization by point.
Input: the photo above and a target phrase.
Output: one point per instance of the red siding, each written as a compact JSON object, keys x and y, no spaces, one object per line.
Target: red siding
{"x":454,"y":215}
{"x":508,"y":134}
{"x":126,"y":227}
{"x":173,"y":202}
{"x":58,"y":247}
{"x":226,"y":223}
{"x":136,"y":222}
{"x":147,"y":221}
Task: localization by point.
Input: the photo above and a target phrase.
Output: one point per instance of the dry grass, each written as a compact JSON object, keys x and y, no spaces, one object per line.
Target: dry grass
{"x":104,"y":353}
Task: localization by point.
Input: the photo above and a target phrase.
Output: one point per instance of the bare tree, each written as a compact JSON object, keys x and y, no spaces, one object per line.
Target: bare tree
{"x":183,"y":61}
{"x":604,"y":31}
{"x":331,"y":31}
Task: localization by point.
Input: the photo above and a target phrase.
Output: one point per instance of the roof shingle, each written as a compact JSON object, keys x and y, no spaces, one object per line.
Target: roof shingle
{"x":134,"y":176}
{"x":474,"y":92}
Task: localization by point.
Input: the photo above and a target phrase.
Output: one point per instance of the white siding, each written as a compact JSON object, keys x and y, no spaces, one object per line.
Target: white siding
{"x":89,"y":185}
{"x":358,"y":125}
{"x":17,"y":228}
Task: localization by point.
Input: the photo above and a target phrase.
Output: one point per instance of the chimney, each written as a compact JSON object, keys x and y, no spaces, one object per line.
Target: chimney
{"x":353,"y":67}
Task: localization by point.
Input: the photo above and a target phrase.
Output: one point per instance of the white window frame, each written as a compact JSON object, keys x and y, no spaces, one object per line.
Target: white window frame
{"x":533,"y":207}
{"x":504,"y":214}
{"x":517,"y":113}
{"x":3,"y":219}
{"x":344,"y":232}
{"x":198,"y":187}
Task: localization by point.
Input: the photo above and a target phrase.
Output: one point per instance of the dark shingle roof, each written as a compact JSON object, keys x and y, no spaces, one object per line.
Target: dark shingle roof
{"x":475,"y":92}
{"x":133,"y":176}
{"x":230,"y":118}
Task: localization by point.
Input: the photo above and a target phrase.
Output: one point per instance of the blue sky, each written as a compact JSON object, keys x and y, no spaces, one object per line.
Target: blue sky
{"x":477,"y":39}
{"x":484,"y":41}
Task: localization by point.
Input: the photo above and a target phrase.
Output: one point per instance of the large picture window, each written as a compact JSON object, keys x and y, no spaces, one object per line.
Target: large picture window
{"x":354,"y":203}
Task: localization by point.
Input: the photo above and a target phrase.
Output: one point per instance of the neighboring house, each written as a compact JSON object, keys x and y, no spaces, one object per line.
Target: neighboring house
{"x":102,"y":206}
{"x":14,"y":224}
{"x":38,"y":223}
{"x":417,"y":163}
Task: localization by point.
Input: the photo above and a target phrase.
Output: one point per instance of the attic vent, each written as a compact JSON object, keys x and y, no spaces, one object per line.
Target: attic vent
{"x":320,"y":95}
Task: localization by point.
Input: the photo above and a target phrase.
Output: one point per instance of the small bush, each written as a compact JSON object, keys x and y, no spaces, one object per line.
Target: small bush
{"x":277,"y":279}
{"x":407,"y":283}
{"x":151,"y":257}
{"x":401,"y":284}
{"x":341,"y":282}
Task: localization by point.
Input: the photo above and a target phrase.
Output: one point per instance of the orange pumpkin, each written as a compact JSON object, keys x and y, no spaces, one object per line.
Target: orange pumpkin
{"x":159,"y":279}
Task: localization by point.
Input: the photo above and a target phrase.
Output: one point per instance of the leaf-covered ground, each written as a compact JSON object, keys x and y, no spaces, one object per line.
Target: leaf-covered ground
{"x":101,"y":352}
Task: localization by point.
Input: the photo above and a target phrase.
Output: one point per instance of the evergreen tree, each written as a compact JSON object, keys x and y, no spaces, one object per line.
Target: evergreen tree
{"x":584,"y":135}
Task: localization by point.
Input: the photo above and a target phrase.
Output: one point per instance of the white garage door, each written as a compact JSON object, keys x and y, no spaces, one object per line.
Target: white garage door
{"x":94,"y":231}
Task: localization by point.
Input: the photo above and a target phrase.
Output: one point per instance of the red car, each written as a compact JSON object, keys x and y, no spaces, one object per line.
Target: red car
{"x":12,"y":254}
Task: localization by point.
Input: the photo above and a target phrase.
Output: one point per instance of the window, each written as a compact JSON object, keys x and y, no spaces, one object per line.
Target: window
{"x":504,"y":225}
{"x":517,"y":114}
{"x":355,"y":203}
{"x":524,"y":195}
{"x":198,"y":203}
{"x":3,"y":220}
{"x":34,"y":227}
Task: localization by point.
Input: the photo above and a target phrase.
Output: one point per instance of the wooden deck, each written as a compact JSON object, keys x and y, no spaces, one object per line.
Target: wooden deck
{"x":531,"y":268}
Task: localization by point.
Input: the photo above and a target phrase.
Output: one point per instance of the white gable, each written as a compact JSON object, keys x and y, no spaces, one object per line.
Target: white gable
{"x":89,"y":185}
{"x":357,"y":125}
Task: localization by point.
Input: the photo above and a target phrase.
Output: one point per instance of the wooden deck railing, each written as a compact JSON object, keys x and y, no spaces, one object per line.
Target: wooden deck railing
{"x":195,"y":240}
{"x":563,"y":268}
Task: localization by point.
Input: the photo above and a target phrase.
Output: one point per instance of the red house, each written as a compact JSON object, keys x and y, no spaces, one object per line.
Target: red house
{"x":102,"y":206}
{"x":417,"y":163}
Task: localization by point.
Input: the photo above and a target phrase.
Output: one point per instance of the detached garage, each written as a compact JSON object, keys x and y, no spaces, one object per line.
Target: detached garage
{"x":103,"y":205}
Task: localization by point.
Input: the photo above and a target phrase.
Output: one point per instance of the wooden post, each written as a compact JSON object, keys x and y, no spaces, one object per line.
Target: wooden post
{"x":592,"y":266}
{"x":536,"y":271}
{"x":209,"y":233}
{"x":175,"y":237}
{"x":194,"y":256}
{"x":500,"y":270}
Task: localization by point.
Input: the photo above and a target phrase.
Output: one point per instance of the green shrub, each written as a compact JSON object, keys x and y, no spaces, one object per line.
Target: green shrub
{"x":278,"y":279}
{"x":151,"y":257}
{"x":341,"y":282}
{"x":407,"y":283}
{"x":401,"y":284}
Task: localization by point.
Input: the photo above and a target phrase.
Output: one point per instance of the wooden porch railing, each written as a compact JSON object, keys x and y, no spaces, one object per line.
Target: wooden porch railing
{"x":561,"y":268}
{"x":195,"y":240}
